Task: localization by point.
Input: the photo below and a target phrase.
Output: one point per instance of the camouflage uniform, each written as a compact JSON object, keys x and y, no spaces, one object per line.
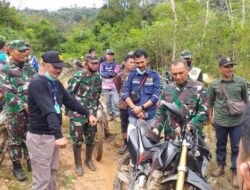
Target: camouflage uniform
{"x":87,"y":90}
{"x":14,"y":84}
{"x":191,"y":99}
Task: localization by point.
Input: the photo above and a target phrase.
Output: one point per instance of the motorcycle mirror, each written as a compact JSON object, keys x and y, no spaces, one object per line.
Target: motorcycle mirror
{"x":173,"y":108}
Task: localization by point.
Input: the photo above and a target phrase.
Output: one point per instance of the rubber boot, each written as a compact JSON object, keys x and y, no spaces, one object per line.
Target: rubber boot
{"x":29,"y":169}
{"x":18,"y":171}
{"x":88,"y":157}
{"x":78,"y":159}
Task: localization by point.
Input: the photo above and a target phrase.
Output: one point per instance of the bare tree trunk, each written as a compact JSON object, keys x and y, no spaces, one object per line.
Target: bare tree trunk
{"x":175,"y":27}
{"x":229,"y":11}
{"x":206,"y":21}
{"x":243,"y":14}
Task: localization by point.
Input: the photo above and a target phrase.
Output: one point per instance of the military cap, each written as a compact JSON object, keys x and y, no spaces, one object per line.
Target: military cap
{"x":18,"y":44}
{"x":186,"y":54}
{"x":91,"y":58}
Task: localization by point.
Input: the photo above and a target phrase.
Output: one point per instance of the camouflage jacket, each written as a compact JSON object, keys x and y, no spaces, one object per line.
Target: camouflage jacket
{"x":191,"y":99}
{"x":14,"y":83}
{"x":119,"y":82}
{"x":86,"y":88}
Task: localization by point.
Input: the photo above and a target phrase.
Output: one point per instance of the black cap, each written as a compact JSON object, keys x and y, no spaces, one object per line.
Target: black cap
{"x":224,"y":61}
{"x":54,"y":58}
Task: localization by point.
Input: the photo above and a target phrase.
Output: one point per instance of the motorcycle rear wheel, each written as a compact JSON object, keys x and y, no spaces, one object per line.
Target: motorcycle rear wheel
{"x":98,"y":152}
{"x":171,"y":185}
{"x":123,"y":174}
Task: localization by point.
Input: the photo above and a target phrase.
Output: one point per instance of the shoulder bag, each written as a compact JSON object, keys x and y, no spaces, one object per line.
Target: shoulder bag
{"x":235,"y":108}
{"x":135,"y":95}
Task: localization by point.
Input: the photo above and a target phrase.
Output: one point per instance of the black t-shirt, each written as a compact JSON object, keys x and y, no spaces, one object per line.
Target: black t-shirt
{"x":41,"y":101}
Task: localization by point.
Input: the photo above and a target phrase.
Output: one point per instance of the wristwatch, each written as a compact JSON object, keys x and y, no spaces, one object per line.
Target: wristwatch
{"x":143,"y":108}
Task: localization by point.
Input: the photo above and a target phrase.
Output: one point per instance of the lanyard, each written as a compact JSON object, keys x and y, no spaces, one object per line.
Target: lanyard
{"x":54,"y":90}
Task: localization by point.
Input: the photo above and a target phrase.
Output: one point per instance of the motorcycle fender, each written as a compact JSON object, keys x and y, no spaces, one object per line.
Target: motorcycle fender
{"x":191,"y":178}
{"x":172,"y":150}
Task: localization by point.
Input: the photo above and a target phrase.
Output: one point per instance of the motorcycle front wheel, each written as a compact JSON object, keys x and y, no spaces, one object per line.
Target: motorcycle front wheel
{"x":123,"y":174}
{"x":171,"y":185}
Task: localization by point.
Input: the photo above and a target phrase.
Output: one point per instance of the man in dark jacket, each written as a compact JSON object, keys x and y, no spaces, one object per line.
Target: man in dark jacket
{"x":45,"y":98}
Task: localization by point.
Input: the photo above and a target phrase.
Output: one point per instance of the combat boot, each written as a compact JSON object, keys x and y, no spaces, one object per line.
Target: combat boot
{"x":18,"y":171}
{"x":29,"y":169}
{"x":78,"y":159}
{"x":88,"y":157}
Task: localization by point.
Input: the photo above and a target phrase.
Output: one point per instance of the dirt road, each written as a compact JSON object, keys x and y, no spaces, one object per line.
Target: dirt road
{"x":102,"y":179}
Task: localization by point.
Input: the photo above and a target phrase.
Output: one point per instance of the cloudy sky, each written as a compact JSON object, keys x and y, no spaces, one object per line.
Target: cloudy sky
{"x":54,"y":4}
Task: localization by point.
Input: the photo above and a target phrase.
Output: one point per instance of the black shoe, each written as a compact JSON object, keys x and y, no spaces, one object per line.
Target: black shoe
{"x":19,"y":174}
{"x":123,"y":149}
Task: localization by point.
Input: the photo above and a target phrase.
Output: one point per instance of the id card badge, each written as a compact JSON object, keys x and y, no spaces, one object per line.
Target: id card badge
{"x":57,"y":108}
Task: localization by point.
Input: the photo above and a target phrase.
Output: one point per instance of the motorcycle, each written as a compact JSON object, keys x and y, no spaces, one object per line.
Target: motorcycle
{"x":150,"y":164}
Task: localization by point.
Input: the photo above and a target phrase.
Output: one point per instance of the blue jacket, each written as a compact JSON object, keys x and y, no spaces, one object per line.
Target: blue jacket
{"x":149,"y":91}
{"x":107,"y":70}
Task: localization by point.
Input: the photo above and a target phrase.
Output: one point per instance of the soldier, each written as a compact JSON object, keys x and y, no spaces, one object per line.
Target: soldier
{"x":190,"y":96}
{"x":86,"y":86}
{"x":195,"y":73}
{"x":14,"y":79}
{"x":31,"y":58}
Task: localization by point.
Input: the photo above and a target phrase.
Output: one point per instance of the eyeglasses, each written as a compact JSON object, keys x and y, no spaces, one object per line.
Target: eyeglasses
{"x":95,"y":63}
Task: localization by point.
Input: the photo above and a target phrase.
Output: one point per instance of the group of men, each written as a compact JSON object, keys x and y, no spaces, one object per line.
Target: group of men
{"x":33,"y":103}
{"x":33,"y":106}
{"x":192,"y":99}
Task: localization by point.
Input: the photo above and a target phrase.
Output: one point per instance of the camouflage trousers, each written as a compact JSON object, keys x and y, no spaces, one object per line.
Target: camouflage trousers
{"x":81,"y":131}
{"x":17,"y":131}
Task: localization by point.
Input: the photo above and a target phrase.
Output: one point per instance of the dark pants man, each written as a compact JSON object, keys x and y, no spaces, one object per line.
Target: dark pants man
{"x":221,"y":144}
{"x":124,"y":127}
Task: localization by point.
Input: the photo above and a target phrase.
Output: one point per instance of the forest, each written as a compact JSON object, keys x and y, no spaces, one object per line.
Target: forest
{"x":209,"y":28}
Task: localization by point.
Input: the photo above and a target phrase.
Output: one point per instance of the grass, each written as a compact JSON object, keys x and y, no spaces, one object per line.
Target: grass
{"x":223,"y":182}
{"x":68,"y":181}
